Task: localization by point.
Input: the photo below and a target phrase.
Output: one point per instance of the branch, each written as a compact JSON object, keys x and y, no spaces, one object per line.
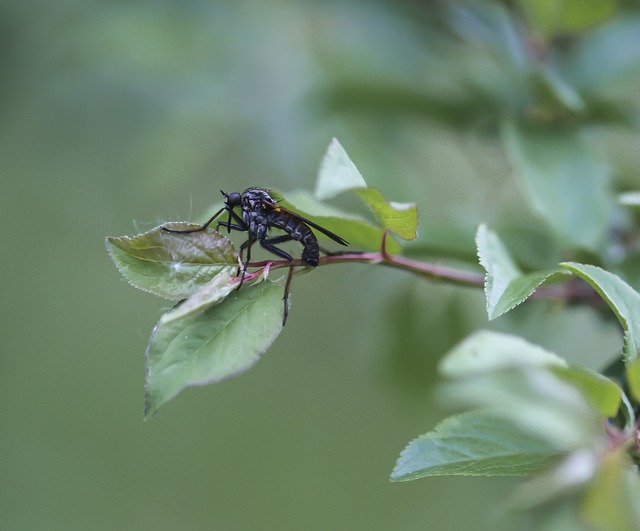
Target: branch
{"x":572,"y":290}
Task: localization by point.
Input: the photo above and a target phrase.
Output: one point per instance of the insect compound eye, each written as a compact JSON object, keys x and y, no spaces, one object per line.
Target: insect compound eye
{"x":233,"y":199}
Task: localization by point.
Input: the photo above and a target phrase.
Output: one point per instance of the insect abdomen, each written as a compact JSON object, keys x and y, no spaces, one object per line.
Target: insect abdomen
{"x":301,"y":233}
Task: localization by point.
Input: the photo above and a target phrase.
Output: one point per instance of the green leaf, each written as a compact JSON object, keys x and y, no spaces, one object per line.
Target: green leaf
{"x":505,"y":285}
{"x":359,"y":233}
{"x":603,"y":394}
{"x":486,"y":351}
{"x":401,"y":218}
{"x":173,"y":265}
{"x":517,"y":379}
{"x":562,"y":16}
{"x":612,"y":499}
{"x":337,"y":173}
{"x":615,"y":48}
{"x":621,"y":298}
{"x":633,"y":378}
{"x":189,"y":349}
{"x":536,"y":400}
{"x":475,"y":443}
{"x":563,"y":181}
{"x":208,"y":295}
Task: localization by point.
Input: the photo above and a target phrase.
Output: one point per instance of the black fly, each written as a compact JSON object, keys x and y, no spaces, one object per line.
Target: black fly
{"x":260,"y":212}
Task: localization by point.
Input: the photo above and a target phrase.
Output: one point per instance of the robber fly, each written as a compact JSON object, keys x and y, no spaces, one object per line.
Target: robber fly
{"x":260,"y":212}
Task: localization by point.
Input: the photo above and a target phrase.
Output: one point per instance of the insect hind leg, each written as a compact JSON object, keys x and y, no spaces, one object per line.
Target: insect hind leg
{"x":269,"y":245}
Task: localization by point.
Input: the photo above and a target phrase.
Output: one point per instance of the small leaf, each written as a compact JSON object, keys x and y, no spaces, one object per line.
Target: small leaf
{"x":337,"y":173}
{"x":475,"y":443}
{"x":359,"y":233}
{"x":401,"y":218}
{"x":486,"y":351}
{"x":505,"y":286}
{"x":621,"y":298}
{"x":205,"y":347}
{"x":172,"y":265}
{"x":563,"y":180}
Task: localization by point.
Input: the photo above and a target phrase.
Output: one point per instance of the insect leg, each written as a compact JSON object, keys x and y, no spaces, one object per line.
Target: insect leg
{"x":201,"y":228}
{"x":230,"y":226}
{"x":268,"y":244}
{"x":240,"y":222}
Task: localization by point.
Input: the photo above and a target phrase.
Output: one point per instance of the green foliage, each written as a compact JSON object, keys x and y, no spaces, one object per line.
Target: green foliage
{"x":506,"y":286}
{"x":549,"y":81}
{"x":474,"y":443}
{"x":211,"y":334}
{"x":220,"y":339}
{"x":171,"y":265}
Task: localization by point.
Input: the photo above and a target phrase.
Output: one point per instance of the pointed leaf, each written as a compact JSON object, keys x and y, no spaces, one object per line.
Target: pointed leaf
{"x":475,"y":443}
{"x":621,"y":298}
{"x":401,"y":218}
{"x":563,"y":180}
{"x":359,"y":233}
{"x":172,"y":265}
{"x":222,"y":341}
{"x":505,"y":285}
{"x":337,"y":173}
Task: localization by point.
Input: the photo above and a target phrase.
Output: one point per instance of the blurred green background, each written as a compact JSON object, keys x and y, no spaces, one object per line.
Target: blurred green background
{"x":117,"y":116}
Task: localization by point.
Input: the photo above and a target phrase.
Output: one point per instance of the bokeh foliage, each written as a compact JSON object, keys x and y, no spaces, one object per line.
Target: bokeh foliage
{"x":118,"y":111}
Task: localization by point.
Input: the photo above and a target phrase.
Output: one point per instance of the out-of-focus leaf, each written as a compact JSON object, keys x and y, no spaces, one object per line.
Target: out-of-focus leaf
{"x":558,"y":483}
{"x":173,"y":265}
{"x":536,"y":400}
{"x":602,"y":393}
{"x":517,"y":380}
{"x":189,"y":349}
{"x":621,"y":298}
{"x":612,"y":499}
{"x":475,"y":443}
{"x":505,"y":285}
{"x":550,"y":17}
{"x":630,"y":199}
{"x":486,"y":351}
{"x":563,"y":180}
{"x":359,"y":233}
{"x":337,"y":173}
{"x":606,"y":59}
{"x":633,"y":378}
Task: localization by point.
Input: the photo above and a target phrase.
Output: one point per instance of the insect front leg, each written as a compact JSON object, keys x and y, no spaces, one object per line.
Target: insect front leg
{"x":202,"y":227}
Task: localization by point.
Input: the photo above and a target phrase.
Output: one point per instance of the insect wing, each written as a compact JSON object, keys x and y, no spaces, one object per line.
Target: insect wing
{"x":295,"y":215}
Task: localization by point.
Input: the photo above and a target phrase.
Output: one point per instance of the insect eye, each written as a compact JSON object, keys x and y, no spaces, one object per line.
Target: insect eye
{"x":233,"y":199}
